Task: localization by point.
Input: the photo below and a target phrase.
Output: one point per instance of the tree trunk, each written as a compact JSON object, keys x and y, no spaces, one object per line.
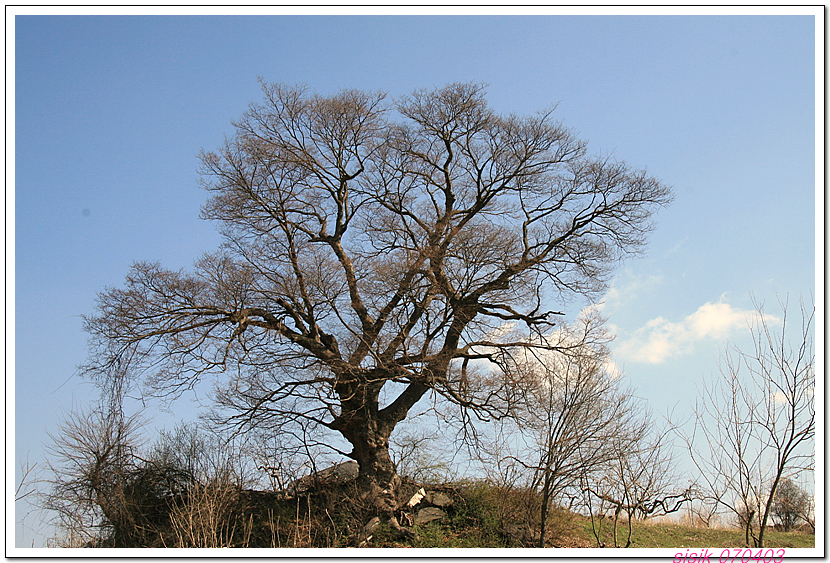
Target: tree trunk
{"x":545,"y":501}
{"x":617,"y":511}
{"x":377,"y":478}
{"x":749,"y":526}
{"x":764,"y":517}
{"x":367,"y":428}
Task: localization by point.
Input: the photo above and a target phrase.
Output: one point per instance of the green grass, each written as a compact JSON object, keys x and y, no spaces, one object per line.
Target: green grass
{"x":485,"y":516}
{"x":646,"y":535}
{"x":670,"y":535}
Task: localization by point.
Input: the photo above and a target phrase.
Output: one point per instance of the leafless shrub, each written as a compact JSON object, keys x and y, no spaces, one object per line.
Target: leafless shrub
{"x":29,"y":484}
{"x":638,"y":483}
{"x":419,"y":455}
{"x":91,"y":468}
{"x":790,"y":505}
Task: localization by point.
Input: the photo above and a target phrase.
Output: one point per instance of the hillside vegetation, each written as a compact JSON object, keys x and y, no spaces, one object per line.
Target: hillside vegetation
{"x":474,"y":515}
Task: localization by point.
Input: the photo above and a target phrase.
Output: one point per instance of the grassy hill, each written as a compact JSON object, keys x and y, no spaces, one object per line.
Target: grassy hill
{"x":483,"y":516}
{"x":468,"y":515}
{"x":486,"y":517}
{"x":672,"y":535}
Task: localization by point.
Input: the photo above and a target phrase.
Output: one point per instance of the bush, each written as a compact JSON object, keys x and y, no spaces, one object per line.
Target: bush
{"x":790,"y":505}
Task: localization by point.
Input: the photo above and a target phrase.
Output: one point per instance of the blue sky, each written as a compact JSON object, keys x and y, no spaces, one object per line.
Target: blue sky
{"x":110,"y":112}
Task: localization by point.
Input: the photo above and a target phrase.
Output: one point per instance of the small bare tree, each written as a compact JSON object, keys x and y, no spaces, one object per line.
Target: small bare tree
{"x":579,"y":412}
{"x":755,"y":426}
{"x":569,"y":410}
{"x":577,"y":429}
{"x":29,"y":480}
{"x":637,"y":482}
{"x":91,"y":460}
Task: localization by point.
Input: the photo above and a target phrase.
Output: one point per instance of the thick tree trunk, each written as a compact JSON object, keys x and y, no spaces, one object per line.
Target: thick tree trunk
{"x":377,"y":477}
{"x":359,"y":422}
{"x":367,"y":428}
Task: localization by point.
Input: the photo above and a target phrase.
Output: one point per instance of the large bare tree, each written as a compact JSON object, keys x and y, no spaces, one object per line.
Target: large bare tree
{"x":372,"y":249}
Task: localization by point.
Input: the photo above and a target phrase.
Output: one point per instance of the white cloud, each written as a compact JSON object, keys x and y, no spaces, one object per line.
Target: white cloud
{"x":660,"y":339}
{"x":612,"y":369}
{"x":717,"y":320}
{"x":628,"y":288}
{"x":779,"y":398}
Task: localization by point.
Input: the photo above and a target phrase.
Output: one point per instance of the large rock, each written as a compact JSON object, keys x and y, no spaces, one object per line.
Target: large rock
{"x":439,"y":499}
{"x":429,"y":514}
{"x":338,"y":474}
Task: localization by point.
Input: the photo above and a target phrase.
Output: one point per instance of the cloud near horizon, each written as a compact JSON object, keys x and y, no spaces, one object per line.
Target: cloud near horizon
{"x":660,"y":339}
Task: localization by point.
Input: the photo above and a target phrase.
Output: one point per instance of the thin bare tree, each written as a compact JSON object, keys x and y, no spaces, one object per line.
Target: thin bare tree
{"x":580,"y":415}
{"x":755,"y":425}
{"x":368,"y":258}
{"x":638,"y":482}
{"x":577,"y":430}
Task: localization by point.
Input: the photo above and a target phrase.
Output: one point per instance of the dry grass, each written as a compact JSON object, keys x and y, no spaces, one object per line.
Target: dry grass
{"x":210,"y":517}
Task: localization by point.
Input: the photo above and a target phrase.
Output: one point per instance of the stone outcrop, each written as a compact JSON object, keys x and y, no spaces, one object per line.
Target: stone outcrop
{"x":338,"y":474}
{"x":427,"y":506}
{"x":429,"y":514}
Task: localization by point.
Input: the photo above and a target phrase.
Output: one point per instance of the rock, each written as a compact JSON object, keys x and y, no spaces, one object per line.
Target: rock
{"x":440,"y":500}
{"x":429,"y":514}
{"x":520,"y":532}
{"x":402,"y":531}
{"x":371,"y":525}
{"x":416,"y":498}
{"x":337,"y":474}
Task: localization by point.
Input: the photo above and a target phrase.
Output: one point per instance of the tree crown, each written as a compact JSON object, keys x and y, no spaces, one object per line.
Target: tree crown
{"x":369,"y":241}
